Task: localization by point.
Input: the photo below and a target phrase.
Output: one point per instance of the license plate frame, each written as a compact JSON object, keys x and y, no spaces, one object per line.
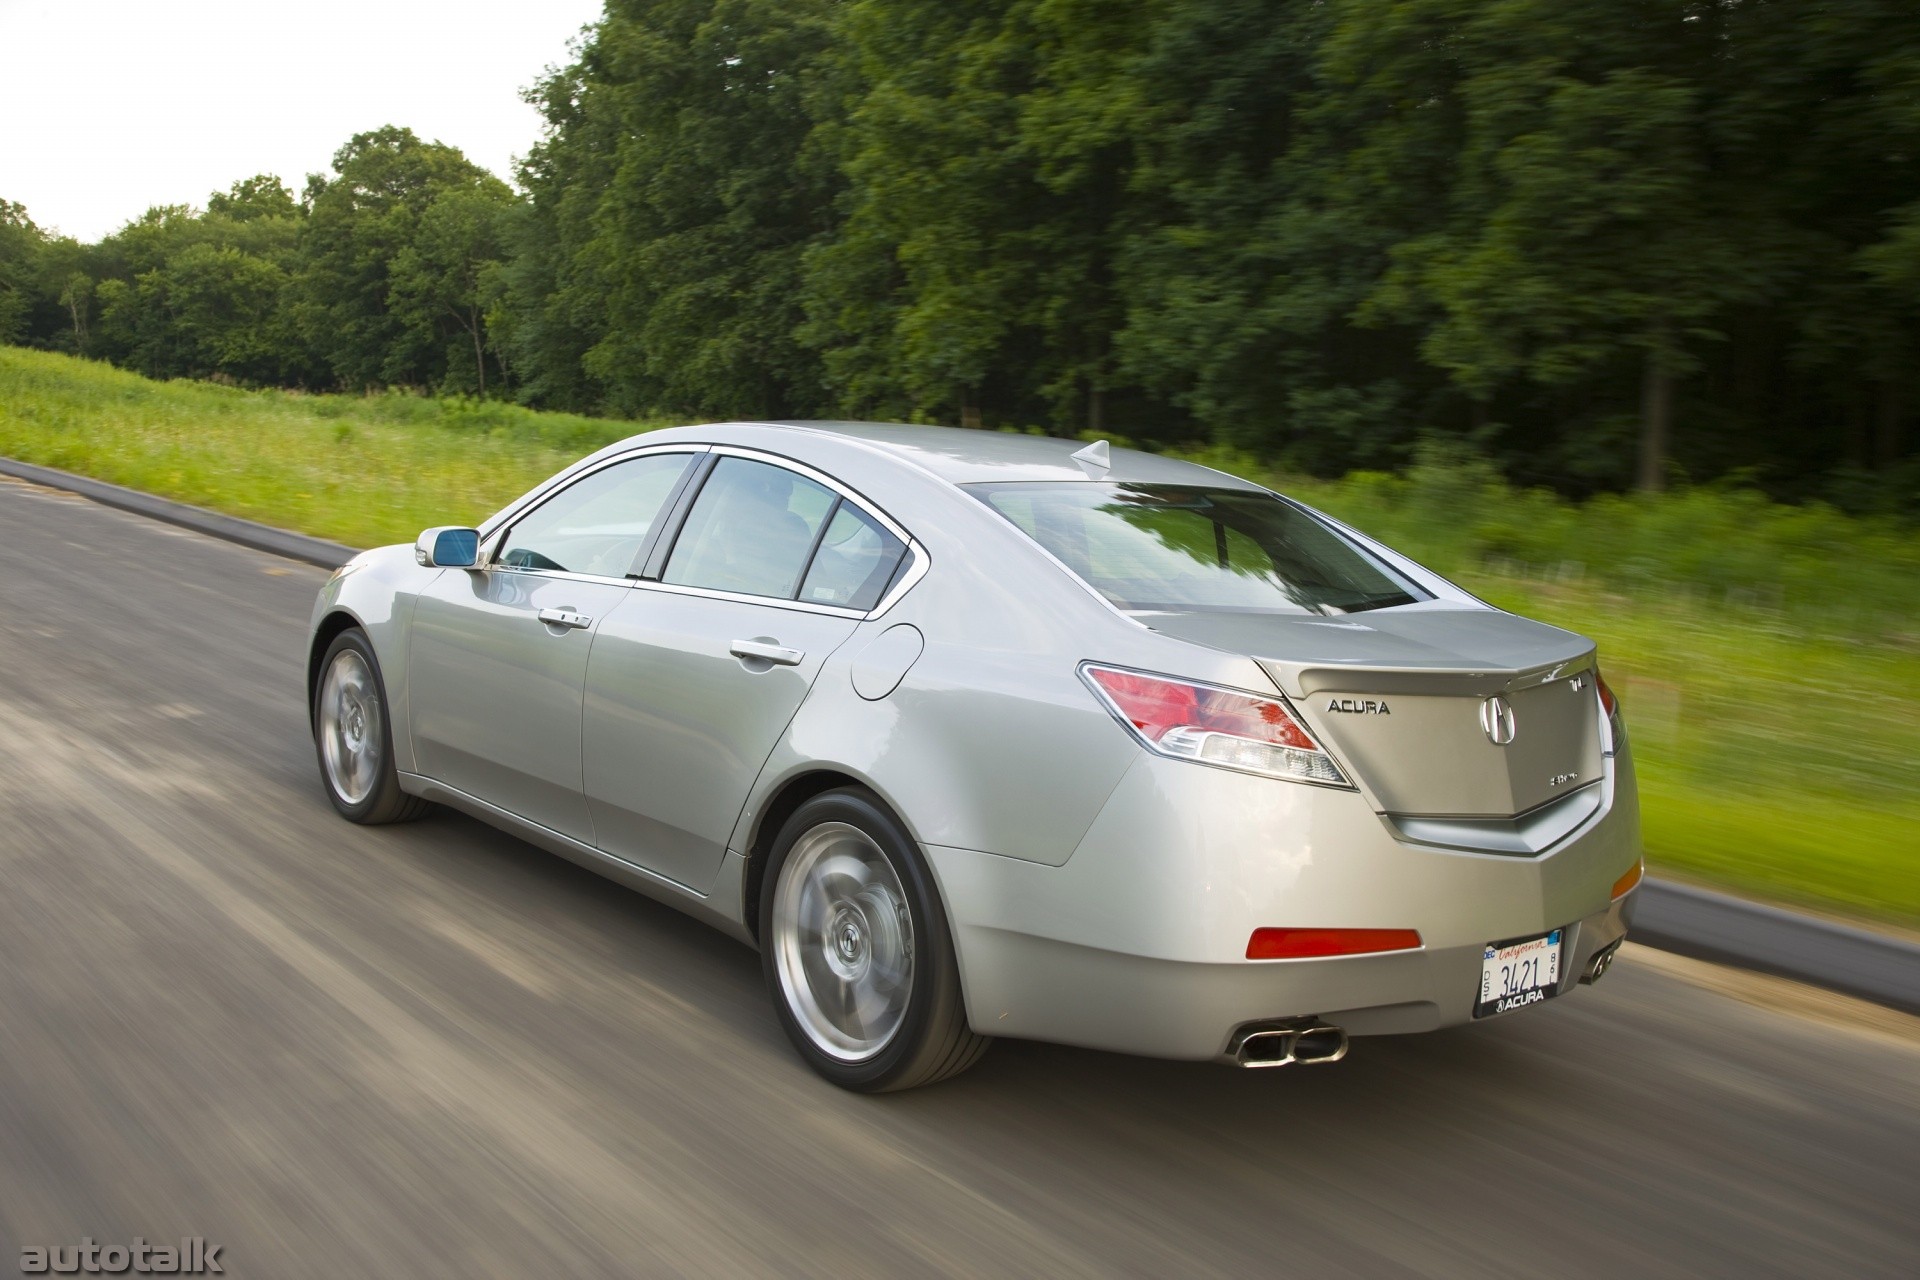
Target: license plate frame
{"x":1519,"y":973}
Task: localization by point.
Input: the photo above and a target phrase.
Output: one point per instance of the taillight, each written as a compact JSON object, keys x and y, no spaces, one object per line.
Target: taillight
{"x":1608,"y":703}
{"x":1211,"y":725}
{"x":1312,"y":944}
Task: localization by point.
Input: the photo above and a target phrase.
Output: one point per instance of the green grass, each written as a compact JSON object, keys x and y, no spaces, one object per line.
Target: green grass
{"x":1768,"y":657}
{"x":364,"y":470}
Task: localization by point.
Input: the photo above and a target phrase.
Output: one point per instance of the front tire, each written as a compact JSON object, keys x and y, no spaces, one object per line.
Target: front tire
{"x":857,"y":952}
{"x":353,"y":736}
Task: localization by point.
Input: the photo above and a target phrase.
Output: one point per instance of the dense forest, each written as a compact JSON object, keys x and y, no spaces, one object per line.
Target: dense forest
{"x":1605,"y":243}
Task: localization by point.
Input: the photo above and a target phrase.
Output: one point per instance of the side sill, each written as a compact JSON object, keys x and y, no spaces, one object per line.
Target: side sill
{"x":719,"y":908}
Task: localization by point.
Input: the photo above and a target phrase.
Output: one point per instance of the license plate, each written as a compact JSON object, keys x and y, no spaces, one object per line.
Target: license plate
{"x":1514,"y":975}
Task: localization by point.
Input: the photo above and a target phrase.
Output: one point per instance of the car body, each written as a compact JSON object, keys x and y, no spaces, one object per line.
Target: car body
{"x":1463,"y":785}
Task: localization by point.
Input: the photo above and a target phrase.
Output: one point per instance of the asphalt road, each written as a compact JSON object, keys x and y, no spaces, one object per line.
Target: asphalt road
{"x":432,"y":1050}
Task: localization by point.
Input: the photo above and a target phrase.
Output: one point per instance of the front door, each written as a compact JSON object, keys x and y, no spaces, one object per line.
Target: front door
{"x":497,"y":663}
{"x":694,"y":679}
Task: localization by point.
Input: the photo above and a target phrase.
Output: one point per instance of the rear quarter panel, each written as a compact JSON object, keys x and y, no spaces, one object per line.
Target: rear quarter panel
{"x":991,"y":741}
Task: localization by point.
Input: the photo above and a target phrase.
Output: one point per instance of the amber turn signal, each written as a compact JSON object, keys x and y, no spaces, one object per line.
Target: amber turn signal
{"x":1626,"y":883}
{"x":1305,"y":944}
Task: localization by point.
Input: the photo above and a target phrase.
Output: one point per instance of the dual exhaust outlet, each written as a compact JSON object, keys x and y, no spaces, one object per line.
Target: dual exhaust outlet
{"x":1309,"y":1043}
{"x":1602,"y":961}
{"x":1270,"y":1046}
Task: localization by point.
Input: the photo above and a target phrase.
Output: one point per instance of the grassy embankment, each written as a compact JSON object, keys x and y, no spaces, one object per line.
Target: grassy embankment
{"x":1768,"y":657}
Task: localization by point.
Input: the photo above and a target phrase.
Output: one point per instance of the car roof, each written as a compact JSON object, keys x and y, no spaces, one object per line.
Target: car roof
{"x":963,"y":456}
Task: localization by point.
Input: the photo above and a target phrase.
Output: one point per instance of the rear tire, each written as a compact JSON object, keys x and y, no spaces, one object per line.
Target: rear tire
{"x":857,"y":953}
{"x":353,"y":736}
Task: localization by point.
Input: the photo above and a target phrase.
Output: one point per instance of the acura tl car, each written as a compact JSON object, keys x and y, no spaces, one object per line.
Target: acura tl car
{"x":979,"y":735}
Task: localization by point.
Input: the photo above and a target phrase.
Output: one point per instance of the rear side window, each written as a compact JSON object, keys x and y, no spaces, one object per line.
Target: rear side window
{"x":856,"y":560}
{"x":1151,"y":547}
{"x":751,"y":530}
{"x":761,"y":530}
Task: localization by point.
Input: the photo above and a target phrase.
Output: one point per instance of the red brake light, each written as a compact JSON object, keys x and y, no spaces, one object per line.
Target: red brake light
{"x":1227,"y":727}
{"x":1608,"y":703}
{"x":1307,"y":944}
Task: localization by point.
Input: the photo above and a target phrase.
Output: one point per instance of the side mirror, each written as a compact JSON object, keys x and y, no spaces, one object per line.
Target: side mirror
{"x":448,"y":547}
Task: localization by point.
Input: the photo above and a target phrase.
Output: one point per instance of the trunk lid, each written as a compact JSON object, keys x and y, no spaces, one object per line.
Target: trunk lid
{"x":1440,"y":711}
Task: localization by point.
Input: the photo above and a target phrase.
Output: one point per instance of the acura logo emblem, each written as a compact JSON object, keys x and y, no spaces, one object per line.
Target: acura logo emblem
{"x":1496,"y":717}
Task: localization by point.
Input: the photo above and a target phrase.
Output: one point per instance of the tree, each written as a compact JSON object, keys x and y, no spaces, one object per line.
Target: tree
{"x":1251,"y":242}
{"x":21,"y":247}
{"x":671,"y":202}
{"x":987,"y":157}
{"x":361,"y":227}
{"x":441,"y":274}
{"x":1597,"y":207}
{"x":181,"y":293}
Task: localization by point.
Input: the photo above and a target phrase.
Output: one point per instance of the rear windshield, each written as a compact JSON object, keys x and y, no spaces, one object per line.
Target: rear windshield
{"x":1167,"y":547}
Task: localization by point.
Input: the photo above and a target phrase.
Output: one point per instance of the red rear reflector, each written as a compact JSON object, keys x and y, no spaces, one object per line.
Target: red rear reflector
{"x":1626,"y":883}
{"x":1304,"y":944}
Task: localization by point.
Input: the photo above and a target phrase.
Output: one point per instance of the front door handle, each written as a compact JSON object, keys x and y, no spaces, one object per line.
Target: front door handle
{"x":779,"y":655}
{"x":564,"y":618}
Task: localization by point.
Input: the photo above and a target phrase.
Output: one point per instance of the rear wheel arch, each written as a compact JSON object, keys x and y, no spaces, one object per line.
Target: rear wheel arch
{"x":783,"y":804}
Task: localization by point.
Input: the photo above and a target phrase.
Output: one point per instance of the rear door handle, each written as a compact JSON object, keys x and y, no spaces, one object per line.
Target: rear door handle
{"x":779,"y":655}
{"x":564,"y":618}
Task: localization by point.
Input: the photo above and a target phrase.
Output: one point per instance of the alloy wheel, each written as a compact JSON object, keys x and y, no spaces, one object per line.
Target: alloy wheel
{"x":351,"y":737}
{"x":843,"y":941}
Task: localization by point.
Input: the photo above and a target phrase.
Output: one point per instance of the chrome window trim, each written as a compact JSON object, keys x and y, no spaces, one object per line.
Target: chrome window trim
{"x":916,"y":569}
{"x":771,"y":602}
{"x":562,"y":575}
{"x":917,"y":565}
{"x":818,"y":477}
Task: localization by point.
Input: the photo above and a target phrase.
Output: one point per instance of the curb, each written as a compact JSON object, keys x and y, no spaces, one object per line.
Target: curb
{"x":1669,"y":917}
{"x":261,"y":537}
{"x":1713,"y":926}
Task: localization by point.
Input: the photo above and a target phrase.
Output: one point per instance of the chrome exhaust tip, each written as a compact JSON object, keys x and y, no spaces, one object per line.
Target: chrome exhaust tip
{"x":1320,"y":1044}
{"x":1602,"y":961}
{"x":1254,"y":1047}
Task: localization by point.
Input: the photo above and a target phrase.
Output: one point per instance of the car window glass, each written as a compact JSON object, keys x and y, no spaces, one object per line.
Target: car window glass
{"x":750,"y":530}
{"x":1168,"y":547}
{"x":856,"y":560}
{"x":598,"y":523}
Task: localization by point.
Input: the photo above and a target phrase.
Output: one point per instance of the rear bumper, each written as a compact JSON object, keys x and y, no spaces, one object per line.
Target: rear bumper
{"x":1137,"y":942}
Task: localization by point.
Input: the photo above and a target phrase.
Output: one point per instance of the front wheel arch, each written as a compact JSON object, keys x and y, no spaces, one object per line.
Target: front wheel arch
{"x":324,"y":635}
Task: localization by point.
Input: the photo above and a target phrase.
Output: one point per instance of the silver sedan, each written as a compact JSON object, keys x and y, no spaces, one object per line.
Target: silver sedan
{"x":981,"y":735}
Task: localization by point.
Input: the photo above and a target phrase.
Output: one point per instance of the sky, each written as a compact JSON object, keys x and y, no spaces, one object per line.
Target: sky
{"x":110,"y":106}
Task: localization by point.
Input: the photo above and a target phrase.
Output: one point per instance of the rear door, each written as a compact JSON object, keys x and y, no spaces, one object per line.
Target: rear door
{"x":696,"y":675}
{"x":497,"y":663}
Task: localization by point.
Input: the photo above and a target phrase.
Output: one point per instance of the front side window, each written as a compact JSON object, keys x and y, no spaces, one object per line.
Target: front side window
{"x":751,"y":530}
{"x":1157,"y":547}
{"x":599,"y":523}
